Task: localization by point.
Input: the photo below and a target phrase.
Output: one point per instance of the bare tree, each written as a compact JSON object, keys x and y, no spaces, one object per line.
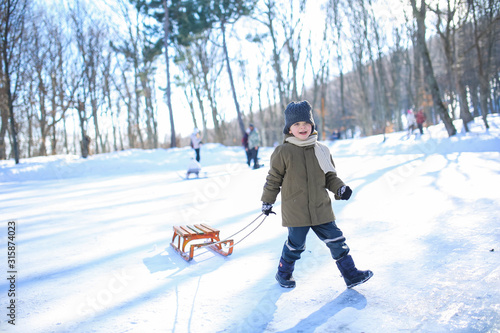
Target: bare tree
{"x":130,"y":50}
{"x":360,"y":103}
{"x":335,"y":21}
{"x":292,"y":28}
{"x":380,"y":42}
{"x":430,"y":79}
{"x":168,"y":92}
{"x":399,"y":66}
{"x":228,"y":13}
{"x":47,"y":60}
{"x":90,"y":40}
{"x":320,"y":78}
{"x":208,"y":71}
{"x":447,"y":24}
{"x":126,"y":96}
{"x":108,"y":74}
{"x":65,"y":79}
{"x":204,"y":63}
{"x":269,"y":20}
{"x":378,"y":114}
{"x":139,"y":54}
{"x":485,"y":15}
{"x":39,"y":59}
{"x":12,"y":19}
{"x":4,"y":107}
{"x":192,"y":63}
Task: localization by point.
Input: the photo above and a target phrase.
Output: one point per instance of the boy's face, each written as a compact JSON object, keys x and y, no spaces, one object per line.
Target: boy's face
{"x":301,"y":130}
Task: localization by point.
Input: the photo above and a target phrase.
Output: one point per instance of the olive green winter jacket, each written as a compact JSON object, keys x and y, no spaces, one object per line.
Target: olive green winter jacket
{"x":295,"y":172}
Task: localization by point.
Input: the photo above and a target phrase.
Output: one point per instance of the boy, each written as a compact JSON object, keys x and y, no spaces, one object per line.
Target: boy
{"x":302,"y":169}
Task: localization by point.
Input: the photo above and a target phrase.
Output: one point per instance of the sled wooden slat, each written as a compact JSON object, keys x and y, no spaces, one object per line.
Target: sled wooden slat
{"x":194,"y":230}
{"x":181,"y":231}
{"x":209,"y":227}
{"x":205,"y":228}
{"x":209,"y":235}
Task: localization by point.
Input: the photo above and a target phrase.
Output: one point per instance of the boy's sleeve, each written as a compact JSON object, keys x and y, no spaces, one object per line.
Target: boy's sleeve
{"x":274,"y":178}
{"x":333,"y":183}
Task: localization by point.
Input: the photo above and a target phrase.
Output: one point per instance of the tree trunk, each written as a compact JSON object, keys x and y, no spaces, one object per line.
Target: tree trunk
{"x":415,"y":81}
{"x":336,"y":19}
{"x":395,"y":72}
{"x":30,"y":116}
{"x":459,"y":72}
{"x":429,"y":71}
{"x":202,"y":57}
{"x":98,"y":137}
{"x":384,"y":99}
{"x":166,"y":28}
{"x":276,"y":56}
{"x":229,"y":72}
{"x":190,"y":100}
{"x":199,"y":51}
{"x":483,"y":61}
{"x":378,"y":112}
{"x":4,"y":115}
{"x":464,"y":105}
{"x":42,"y":119}
{"x":7,"y":56}
{"x":3,"y":130}
{"x":150,"y":119}
{"x":85,"y":142}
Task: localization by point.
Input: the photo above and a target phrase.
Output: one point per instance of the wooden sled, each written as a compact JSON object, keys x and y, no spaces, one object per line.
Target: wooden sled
{"x":203,"y":231}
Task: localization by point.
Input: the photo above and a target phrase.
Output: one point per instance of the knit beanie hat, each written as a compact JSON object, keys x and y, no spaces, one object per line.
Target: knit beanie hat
{"x":298,"y":111}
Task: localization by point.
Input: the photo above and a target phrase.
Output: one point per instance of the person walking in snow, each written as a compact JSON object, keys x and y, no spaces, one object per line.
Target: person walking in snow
{"x":410,"y":118}
{"x":244,"y":143}
{"x":420,"y":121}
{"x":196,"y":143}
{"x":302,"y":169}
{"x":253,"y":145}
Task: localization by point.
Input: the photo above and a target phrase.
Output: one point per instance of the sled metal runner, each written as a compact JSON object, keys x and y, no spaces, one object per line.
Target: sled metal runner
{"x":188,"y":233}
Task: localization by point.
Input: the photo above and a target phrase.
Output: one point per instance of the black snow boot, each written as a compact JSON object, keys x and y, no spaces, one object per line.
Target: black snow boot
{"x":352,"y":276}
{"x":284,"y":275}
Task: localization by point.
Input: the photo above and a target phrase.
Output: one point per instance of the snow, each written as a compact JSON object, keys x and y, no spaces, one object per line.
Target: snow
{"x":93,"y":254}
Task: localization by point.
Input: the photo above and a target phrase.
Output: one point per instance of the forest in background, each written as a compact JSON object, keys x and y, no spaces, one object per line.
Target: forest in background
{"x":88,"y":77}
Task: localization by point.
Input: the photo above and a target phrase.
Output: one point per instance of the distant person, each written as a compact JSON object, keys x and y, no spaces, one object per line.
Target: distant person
{"x":194,"y":167}
{"x":244,"y":143}
{"x":85,"y":145}
{"x":335,"y":135}
{"x":302,"y":170}
{"x":196,"y":143}
{"x":410,"y":119}
{"x":420,"y":120}
{"x":253,"y":145}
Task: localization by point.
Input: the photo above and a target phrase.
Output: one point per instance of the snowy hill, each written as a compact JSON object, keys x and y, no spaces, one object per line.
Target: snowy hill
{"x":93,"y":255}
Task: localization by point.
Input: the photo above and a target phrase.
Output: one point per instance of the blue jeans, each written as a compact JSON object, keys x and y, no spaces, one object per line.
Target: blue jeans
{"x":197,"y":152}
{"x":328,"y":233}
{"x":253,"y":156}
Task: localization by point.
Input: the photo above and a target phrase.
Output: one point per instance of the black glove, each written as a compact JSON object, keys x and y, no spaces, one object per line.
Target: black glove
{"x":267,"y":208}
{"x":344,"y":192}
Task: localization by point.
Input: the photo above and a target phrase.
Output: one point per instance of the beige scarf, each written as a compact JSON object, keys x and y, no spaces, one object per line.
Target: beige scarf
{"x":321,"y":151}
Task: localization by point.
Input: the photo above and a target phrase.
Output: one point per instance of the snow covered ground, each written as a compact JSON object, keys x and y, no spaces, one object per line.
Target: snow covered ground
{"x":93,"y":254}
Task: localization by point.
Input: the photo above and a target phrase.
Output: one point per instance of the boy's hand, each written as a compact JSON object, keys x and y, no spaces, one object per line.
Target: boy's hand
{"x":267,"y":208}
{"x":344,"y":192}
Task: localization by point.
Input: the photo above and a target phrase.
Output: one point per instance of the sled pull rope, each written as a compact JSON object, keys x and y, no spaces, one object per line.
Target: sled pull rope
{"x":249,"y":224}
{"x":250,"y":231}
